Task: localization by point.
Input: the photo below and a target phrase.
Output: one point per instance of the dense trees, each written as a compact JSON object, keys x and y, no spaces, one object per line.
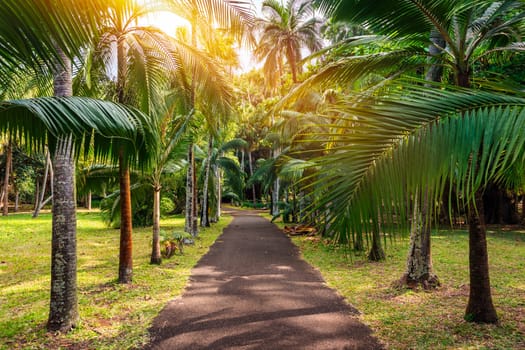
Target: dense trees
{"x":384,"y":130}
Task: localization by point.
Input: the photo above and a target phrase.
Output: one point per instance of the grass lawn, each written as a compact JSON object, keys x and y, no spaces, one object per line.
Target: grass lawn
{"x":113,"y":316}
{"x":404,"y":319}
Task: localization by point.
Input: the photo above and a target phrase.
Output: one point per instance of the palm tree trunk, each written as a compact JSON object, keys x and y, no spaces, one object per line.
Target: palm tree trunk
{"x":205,"y":221}
{"x":125,"y":269}
{"x":376,"y":250}
{"x":480,"y":308}
{"x":88,"y":200}
{"x":189,"y":191}
{"x":275,"y":197}
{"x":194,"y":203}
{"x":8,"y":161}
{"x":63,"y":306}
{"x":17,"y":200}
{"x":218,"y":175}
{"x":419,"y":261}
{"x":37,"y":194}
{"x":250,"y":167}
{"x":155,"y":251}
{"x":125,"y":273}
{"x":40,"y":200}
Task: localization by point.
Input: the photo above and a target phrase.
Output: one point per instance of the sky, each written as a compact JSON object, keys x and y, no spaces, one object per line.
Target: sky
{"x":169,"y":22}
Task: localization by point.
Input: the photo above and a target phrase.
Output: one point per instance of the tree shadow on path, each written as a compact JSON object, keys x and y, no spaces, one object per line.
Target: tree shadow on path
{"x":253,"y":291}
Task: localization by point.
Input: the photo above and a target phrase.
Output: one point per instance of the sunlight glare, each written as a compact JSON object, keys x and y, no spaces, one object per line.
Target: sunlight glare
{"x":168,"y":22}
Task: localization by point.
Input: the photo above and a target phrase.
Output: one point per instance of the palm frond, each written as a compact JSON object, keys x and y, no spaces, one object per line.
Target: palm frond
{"x":39,"y":122}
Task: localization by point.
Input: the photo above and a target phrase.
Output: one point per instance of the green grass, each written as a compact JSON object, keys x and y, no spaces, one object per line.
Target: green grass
{"x":404,"y":319}
{"x":113,"y":316}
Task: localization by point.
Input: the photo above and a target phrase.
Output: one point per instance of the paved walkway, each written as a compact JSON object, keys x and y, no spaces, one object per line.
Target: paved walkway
{"x":253,"y":291}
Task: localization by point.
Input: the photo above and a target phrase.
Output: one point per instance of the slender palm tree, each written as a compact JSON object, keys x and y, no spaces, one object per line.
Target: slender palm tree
{"x":206,"y":16}
{"x":286,"y":29}
{"x":148,"y":63}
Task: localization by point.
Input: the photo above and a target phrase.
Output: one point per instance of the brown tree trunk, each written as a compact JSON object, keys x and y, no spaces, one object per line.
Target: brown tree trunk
{"x":8,"y":161}
{"x":155,"y":251}
{"x":480,"y":308}
{"x":376,"y":250}
{"x":17,"y":199}
{"x":125,"y":270}
{"x":88,"y":200}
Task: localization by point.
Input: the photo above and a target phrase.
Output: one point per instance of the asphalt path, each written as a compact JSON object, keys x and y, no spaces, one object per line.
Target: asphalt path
{"x":252,"y":290}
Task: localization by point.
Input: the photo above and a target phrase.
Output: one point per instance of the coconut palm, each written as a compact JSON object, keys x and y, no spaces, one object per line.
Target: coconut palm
{"x":207,"y":16}
{"x":286,"y":29}
{"x":148,"y":63}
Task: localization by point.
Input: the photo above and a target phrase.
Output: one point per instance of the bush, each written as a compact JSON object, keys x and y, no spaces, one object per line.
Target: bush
{"x":166,"y":206}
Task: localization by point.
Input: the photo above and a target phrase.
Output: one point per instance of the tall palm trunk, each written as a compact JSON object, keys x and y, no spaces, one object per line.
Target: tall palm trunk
{"x":125,"y":270}
{"x":189,"y":191}
{"x":63,"y":306}
{"x":218,"y":190}
{"x":8,"y":162}
{"x":419,"y":269}
{"x":155,"y":251}
{"x":205,"y":221}
{"x":250,"y":167}
{"x":191,"y":225}
{"x":480,"y":308}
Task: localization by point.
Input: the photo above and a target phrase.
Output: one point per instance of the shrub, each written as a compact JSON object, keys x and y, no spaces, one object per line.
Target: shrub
{"x":166,"y":206}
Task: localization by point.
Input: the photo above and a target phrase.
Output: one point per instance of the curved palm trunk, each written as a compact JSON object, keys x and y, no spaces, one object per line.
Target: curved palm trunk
{"x":63,"y":306}
{"x":8,"y":161}
{"x":155,"y":251}
{"x":125,"y":269}
{"x":40,"y":202}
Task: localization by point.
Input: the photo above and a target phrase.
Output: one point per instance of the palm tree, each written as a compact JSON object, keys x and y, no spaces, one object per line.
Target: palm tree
{"x":35,"y":33}
{"x":64,"y":123}
{"x":206,"y":16}
{"x":286,"y":29}
{"x":471,"y":33}
{"x":148,"y":62}
{"x":217,"y":161}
